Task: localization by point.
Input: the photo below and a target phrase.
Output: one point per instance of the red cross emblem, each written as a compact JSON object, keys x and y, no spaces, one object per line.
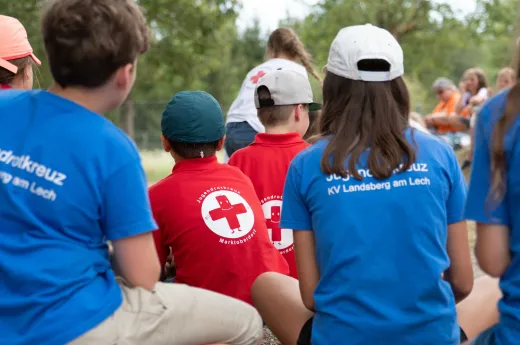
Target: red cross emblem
{"x":256,"y":78}
{"x":228,"y":211}
{"x":273,"y":223}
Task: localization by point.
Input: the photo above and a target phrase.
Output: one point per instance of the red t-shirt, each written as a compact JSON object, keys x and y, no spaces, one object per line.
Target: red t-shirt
{"x":210,"y":217}
{"x":266,"y":162}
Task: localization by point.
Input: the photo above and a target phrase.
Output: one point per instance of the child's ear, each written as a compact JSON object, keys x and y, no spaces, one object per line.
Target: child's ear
{"x":298,"y":113}
{"x":165,"y":144}
{"x":124,"y":76}
{"x":221,"y":143}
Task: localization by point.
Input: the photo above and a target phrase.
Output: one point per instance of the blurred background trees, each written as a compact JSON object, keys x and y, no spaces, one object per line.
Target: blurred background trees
{"x":197,"y":45}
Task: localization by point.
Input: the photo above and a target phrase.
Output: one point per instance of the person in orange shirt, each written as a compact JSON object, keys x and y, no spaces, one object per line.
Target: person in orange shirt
{"x":283,"y":99}
{"x":448,"y":97}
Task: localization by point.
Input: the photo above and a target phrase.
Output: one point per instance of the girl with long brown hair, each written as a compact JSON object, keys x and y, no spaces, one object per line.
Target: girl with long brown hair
{"x":376,"y":207}
{"x":494,"y":203}
{"x":284,"y":50}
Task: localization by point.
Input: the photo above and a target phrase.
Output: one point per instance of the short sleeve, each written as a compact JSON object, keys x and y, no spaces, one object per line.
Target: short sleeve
{"x":458,"y":192}
{"x":477,"y":206}
{"x":483,"y":92}
{"x":126,"y":208}
{"x":295,"y":214}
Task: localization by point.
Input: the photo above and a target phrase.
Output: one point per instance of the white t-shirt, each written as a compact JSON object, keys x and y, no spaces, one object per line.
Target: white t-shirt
{"x":243,"y":108}
{"x":483,"y":92}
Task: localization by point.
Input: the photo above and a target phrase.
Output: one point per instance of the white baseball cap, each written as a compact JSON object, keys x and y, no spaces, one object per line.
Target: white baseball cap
{"x":365,"y":42}
{"x":286,"y":87}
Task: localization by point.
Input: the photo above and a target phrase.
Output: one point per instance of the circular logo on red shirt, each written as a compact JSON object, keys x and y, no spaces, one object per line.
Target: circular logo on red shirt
{"x":227,"y":214}
{"x":281,"y":238}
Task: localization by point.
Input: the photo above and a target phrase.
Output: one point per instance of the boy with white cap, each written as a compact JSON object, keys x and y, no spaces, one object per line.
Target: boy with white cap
{"x":283,"y":99}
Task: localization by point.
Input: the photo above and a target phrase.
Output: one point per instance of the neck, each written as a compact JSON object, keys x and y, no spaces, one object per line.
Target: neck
{"x":94,"y":100}
{"x":284,"y":129}
{"x":284,"y":56}
{"x":18,"y":83}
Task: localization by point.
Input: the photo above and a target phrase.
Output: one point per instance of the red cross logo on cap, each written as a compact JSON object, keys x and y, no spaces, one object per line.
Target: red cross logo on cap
{"x":256,"y":78}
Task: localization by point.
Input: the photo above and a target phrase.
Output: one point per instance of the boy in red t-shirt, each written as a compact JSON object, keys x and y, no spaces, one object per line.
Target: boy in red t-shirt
{"x":208,"y":213}
{"x":283,"y":99}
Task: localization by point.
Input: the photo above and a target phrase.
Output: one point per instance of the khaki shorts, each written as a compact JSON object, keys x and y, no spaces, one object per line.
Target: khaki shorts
{"x":174,"y":314}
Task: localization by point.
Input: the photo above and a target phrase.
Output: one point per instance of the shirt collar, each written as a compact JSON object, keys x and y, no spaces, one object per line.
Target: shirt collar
{"x":196,"y":164}
{"x":277,"y":139}
{"x":4,"y":87}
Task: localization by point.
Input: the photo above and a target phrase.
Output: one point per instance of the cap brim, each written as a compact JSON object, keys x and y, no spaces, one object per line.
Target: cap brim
{"x":8,"y":66}
{"x":35,"y":59}
{"x":314,"y":106}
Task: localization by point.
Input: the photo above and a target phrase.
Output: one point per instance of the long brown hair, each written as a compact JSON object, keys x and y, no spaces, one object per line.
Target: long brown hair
{"x":481,"y":77}
{"x":498,"y":154}
{"x":359,"y":116}
{"x":285,"y":41}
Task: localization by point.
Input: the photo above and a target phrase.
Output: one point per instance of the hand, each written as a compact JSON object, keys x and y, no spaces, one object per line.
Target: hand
{"x":169,"y":267}
{"x":438,"y":119}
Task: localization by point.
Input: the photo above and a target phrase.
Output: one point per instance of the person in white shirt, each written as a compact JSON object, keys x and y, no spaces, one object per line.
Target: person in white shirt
{"x":284,"y":50}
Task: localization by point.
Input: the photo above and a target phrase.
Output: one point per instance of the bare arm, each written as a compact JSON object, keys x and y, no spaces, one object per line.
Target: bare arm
{"x":460,"y":273}
{"x":460,"y":106}
{"x":492,"y":249}
{"x":135,"y":260}
{"x":308,"y":274}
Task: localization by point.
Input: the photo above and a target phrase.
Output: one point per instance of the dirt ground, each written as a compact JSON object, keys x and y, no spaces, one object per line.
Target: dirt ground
{"x":270,"y":339}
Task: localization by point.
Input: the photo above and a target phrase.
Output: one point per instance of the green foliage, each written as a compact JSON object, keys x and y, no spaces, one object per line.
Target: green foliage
{"x":196,"y":45}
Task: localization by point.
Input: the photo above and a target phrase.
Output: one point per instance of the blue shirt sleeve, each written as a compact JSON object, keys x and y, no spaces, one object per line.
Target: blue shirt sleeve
{"x":295,"y":214}
{"x":478,"y":207}
{"x":458,"y":192}
{"x":126,"y":205}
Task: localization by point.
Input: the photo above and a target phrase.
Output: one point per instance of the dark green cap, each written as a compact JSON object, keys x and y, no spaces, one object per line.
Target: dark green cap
{"x":193,"y":117}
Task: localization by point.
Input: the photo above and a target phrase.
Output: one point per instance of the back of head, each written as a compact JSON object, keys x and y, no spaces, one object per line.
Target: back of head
{"x":366,"y":104}
{"x":441,"y":84}
{"x":278,"y":96}
{"x":285,"y":42}
{"x":16,"y":54}
{"x":87,"y":41}
{"x":193,"y":124}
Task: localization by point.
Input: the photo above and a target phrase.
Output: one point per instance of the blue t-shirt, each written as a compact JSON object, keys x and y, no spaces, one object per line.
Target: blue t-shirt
{"x":69,"y":180}
{"x":380,"y":246}
{"x":506,"y":213}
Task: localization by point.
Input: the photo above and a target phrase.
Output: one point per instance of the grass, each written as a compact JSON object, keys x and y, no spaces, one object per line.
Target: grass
{"x":158,"y":164}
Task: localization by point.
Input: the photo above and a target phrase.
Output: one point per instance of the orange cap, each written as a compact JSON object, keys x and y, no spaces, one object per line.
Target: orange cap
{"x":14,"y":43}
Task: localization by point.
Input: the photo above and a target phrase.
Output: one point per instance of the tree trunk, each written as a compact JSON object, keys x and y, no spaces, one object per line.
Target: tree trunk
{"x":127,"y":114}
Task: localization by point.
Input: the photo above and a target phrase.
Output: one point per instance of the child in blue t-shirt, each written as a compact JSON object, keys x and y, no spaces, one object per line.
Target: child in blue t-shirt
{"x":69,"y":181}
{"x":494,"y":203}
{"x":377,"y":211}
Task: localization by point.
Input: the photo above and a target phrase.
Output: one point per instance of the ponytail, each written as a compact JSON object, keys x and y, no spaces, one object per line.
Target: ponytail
{"x":498,"y":154}
{"x":284,"y":41}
